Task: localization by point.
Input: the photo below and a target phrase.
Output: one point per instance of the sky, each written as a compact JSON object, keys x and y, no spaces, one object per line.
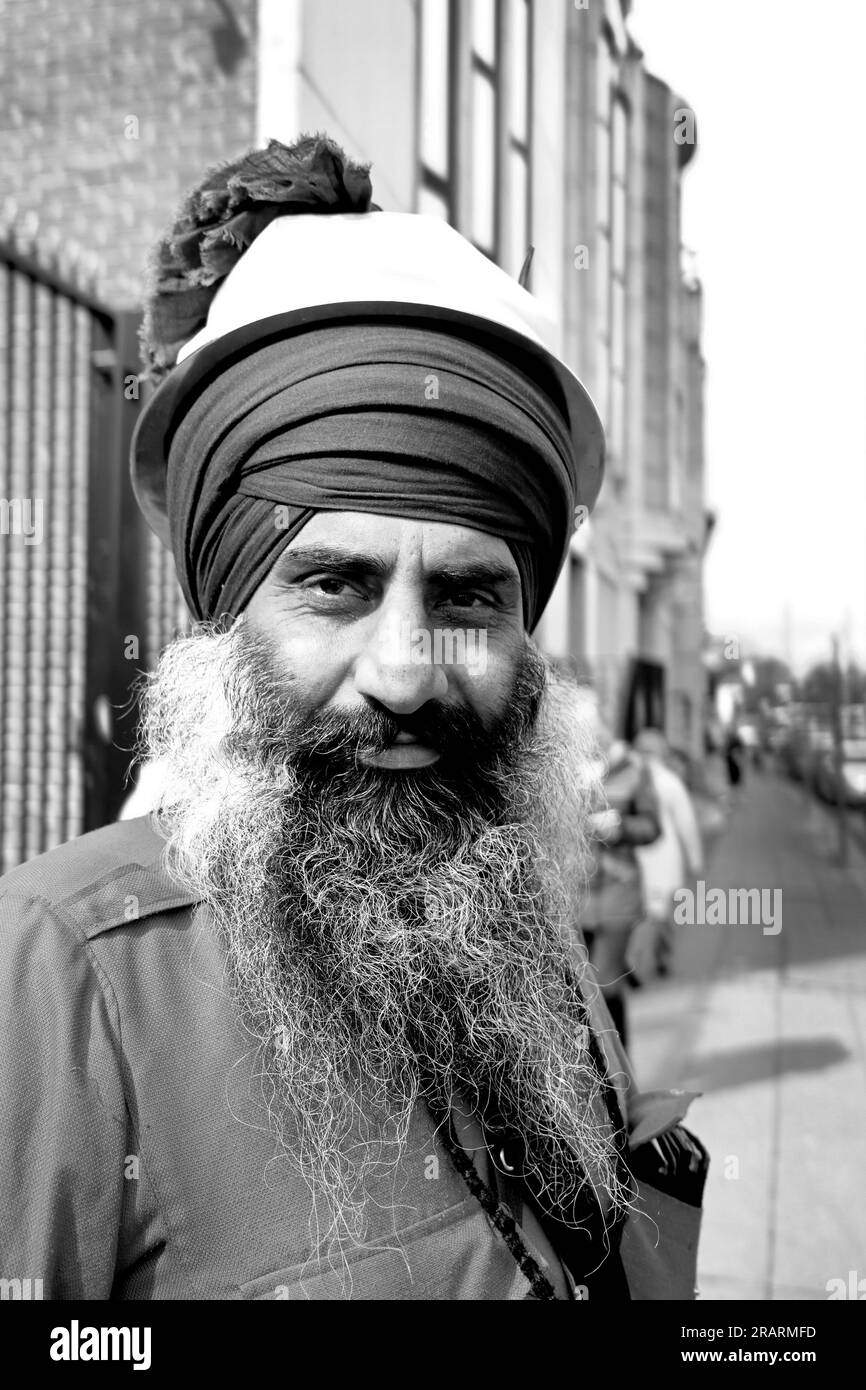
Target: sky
{"x":774,"y":208}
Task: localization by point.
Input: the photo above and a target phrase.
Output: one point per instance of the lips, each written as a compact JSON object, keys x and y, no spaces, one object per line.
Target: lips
{"x":403,"y":754}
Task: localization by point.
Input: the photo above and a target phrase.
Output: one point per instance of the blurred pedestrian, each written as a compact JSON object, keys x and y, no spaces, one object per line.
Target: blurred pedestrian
{"x":668,"y":863}
{"x":735,"y":757}
{"x":615,"y":905}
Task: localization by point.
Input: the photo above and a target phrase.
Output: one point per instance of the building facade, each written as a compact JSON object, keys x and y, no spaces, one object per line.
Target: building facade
{"x":524,"y":123}
{"x":631,"y":604}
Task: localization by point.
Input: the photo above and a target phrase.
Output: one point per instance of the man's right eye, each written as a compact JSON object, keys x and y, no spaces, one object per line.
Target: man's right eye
{"x":332,"y":589}
{"x":328,"y":583}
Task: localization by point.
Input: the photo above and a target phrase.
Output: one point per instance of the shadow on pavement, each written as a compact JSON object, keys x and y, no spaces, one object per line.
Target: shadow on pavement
{"x":718,"y":1071}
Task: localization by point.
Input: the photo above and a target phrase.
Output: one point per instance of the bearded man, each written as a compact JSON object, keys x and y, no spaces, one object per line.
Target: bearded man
{"x":320,"y":1027}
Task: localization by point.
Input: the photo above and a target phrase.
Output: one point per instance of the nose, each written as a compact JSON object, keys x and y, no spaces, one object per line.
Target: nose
{"x":396,"y":667}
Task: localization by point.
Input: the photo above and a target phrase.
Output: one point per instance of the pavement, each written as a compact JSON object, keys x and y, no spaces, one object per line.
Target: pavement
{"x":770,"y":1027}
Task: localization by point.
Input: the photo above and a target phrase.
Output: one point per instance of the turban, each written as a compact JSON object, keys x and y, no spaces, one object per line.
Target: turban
{"x":386,"y":416}
{"x":321,"y":354}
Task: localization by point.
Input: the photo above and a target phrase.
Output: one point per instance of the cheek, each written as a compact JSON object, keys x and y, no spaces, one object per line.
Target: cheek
{"x":487,"y":681}
{"x":312,"y":664}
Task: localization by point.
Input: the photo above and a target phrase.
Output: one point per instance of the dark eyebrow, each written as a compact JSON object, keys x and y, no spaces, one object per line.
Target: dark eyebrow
{"x":473,"y":572}
{"x":357,"y":562}
{"x":332,"y":557}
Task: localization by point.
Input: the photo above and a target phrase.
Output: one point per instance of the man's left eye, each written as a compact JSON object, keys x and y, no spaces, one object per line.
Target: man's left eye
{"x":468,"y":598}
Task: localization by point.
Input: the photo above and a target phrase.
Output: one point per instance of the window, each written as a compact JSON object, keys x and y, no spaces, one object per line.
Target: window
{"x":519,"y":229}
{"x":519,"y":233}
{"x":435,"y":117}
{"x":484,"y":38}
{"x":611,"y":259}
{"x":618,"y":277}
{"x":604,"y":71}
{"x":485,"y":125}
{"x":484,"y":162}
{"x":492,"y":155}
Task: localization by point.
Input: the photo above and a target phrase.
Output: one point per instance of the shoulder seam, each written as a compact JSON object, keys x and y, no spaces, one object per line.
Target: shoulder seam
{"x":59,"y":906}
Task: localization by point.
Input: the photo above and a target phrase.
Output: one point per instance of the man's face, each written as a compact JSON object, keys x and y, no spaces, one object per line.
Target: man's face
{"x":382,"y":613}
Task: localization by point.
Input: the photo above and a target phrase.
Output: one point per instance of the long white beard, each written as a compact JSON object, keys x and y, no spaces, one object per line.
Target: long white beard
{"x":391,"y":939}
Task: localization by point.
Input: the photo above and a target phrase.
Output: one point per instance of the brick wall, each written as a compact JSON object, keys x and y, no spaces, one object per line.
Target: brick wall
{"x":112,"y":109}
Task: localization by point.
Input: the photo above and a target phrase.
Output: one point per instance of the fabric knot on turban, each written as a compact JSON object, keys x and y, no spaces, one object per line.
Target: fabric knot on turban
{"x":385,"y":417}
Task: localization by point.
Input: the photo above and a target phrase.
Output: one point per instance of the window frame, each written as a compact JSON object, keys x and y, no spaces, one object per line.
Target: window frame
{"x":465,"y":65}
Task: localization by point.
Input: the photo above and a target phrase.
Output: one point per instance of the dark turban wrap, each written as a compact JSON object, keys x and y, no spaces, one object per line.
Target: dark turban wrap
{"x":378,"y":417}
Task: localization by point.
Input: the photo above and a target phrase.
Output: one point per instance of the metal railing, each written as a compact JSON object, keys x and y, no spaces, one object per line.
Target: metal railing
{"x":87,"y":596}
